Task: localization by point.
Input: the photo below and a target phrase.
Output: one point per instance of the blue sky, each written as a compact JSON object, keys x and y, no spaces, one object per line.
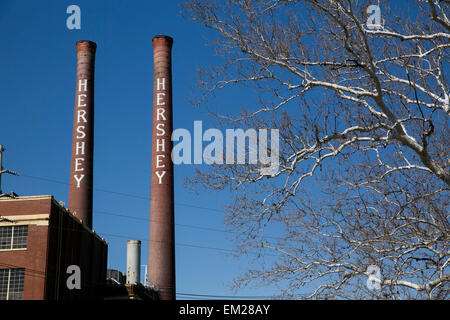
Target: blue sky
{"x":37,"y":88}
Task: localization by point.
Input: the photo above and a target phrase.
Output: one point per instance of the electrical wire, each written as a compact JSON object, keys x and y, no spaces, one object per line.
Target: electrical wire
{"x":211,"y":296}
{"x":43,"y":275}
{"x":104,"y":234}
{"x":189,"y":295}
{"x":124,"y":194}
{"x":145,"y":219}
{"x":146,"y":198}
{"x":177,"y":224}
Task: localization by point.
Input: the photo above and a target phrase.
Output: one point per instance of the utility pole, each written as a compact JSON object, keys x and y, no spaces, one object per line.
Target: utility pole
{"x":2,"y":172}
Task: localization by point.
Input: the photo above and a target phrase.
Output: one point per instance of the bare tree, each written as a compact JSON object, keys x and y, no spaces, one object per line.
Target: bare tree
{"x":363,"y":111}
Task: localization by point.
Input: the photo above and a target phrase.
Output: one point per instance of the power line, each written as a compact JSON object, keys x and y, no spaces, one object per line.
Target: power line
{"x":103,"y":234}
{"x":43,"y":275}
{"x":31,"y":272}
{"x":184,"y":244}
{"x":177,"y":224}
{"x":177,"y":243}
{"x":124,"y":194}
{"x":191,"y":295}
{"x":224,"y":297}
{"x":140,"y":218}
{"x":147,"y":198}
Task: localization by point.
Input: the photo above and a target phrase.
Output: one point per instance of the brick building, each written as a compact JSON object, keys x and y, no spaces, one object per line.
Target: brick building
{"x":39,"y":240}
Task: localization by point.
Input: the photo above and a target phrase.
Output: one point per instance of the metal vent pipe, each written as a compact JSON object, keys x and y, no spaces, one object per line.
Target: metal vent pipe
{"x":133,"y":261}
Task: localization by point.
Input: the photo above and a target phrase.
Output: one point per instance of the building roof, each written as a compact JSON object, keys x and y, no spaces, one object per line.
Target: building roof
{"x":56,"y":203}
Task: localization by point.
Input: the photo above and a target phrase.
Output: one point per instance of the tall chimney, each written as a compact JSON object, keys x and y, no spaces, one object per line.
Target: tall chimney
{"x":81,"y":177}
{"x":133,"y":261}
{"x":161,"y":262}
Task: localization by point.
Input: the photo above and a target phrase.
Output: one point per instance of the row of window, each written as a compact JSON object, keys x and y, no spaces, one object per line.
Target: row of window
{"x":11,"y":284}
{"x":13,"y":237}
{"x":11,"y":280}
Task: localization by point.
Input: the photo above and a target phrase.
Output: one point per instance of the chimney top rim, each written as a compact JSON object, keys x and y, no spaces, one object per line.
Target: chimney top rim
{"x":134,"y":241}
{"x":162,"y":41}
{"x":161,"y":36}
{"x":86,"y":45}
{"x":87,"y":41}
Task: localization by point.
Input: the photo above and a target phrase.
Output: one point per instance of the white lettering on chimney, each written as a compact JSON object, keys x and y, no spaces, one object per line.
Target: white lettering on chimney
{"x":78,"y":164}
{"x":160,"y":128}
{"x":81,"y":97}
{"x":79,"y":146}
{"x":81,"y":114}
{"x":82,"y":82}
{"x":159,"y":163}
{"x":160,"y":112}
{"x":160,"y":176}
{"x":78,"y":179}
{"x":81,"y":132}
{"x":160,"y":143}
{"x":159,"y":97}
{"x":160,"y":83}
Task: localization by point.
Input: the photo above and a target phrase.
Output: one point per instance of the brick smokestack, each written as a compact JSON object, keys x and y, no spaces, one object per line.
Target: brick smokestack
{"x":81,"y":173}
{"x":161,"y":264}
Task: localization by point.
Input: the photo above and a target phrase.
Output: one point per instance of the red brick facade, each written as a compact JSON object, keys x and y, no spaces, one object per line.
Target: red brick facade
{"x":56,"y":240}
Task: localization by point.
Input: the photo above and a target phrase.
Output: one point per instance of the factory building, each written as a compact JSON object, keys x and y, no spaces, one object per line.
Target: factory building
{"x":40,"y":242}
{"x":49,"y":252}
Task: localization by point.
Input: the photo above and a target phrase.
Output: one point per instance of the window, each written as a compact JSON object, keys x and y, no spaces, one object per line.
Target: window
{"x":5,"y":237}
{"x":11,"y":284}
{"x":13,"y":237}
